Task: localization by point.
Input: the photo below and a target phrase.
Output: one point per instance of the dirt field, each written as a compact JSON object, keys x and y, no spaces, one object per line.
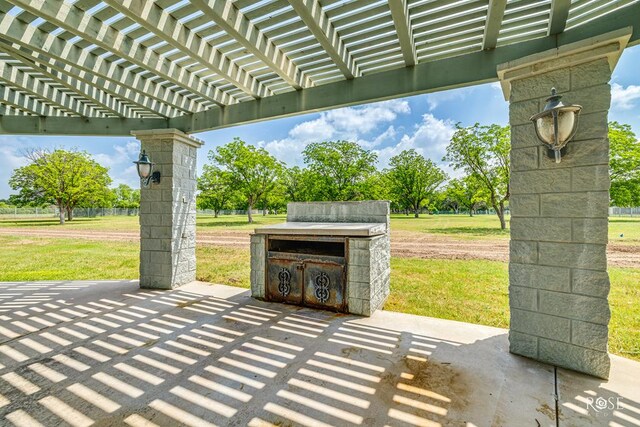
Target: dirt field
{"x":404,"y":244}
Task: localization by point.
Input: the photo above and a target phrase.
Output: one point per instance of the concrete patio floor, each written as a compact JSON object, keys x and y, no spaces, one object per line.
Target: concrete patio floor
{"x":109,"y":353}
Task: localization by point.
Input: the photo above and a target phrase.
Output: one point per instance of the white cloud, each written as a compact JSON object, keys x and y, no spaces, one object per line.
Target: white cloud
{"x":624,"y":98}
{"x":350,"y":123}
{"x":11,"y":157}
{"x":429,"y":138}
{"x":313,"y":130}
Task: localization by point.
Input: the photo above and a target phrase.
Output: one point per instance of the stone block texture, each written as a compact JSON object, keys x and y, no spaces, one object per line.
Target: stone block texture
{"x":168,"y":211}
{"x":258,"y":267}
{"x":558,"y":281}
{"x":368,"y":274}
{"x":365,"y":212}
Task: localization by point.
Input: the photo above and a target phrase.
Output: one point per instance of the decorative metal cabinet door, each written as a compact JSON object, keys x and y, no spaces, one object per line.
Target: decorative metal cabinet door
{"x":324,"y":285}
{"x":284,"y":280}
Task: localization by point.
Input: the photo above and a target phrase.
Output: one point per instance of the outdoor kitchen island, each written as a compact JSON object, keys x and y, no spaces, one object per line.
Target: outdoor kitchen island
{"x":329,"y":255}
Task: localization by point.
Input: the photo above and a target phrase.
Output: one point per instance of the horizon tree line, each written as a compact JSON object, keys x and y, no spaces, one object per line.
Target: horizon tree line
{"x":240,"y":176}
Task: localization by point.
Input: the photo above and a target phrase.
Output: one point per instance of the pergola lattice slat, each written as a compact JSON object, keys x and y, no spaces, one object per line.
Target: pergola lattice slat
{"x":35,"y":87}
{"x":402,"y":22}
{"x":559,"y":15}
{"x":92,"y":30}
{"x":17,"y":99}
{"x":58,"y":49}
{"x":495,"y":14}
{"x":311,"y":13}
{"x":82,"y":88}
{"x":173,"y":32}
{"x":233,"y":21}
{"x":111,"y":66}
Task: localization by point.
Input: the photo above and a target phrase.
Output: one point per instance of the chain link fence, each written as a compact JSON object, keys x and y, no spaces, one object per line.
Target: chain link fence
{"x":77,"y":212}
{"x":97,"y":212}
{"x":615,"y":211}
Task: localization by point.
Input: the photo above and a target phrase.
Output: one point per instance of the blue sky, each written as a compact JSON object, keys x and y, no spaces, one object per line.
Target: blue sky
{"x":423,"y":122}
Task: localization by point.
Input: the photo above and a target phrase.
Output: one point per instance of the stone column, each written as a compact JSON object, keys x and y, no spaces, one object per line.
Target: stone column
{"x":558,"y":281}
{"x":168,"y":210}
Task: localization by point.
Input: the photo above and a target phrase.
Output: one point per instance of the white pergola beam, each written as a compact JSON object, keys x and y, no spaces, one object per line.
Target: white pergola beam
{"x":401,"y":20}
{"x":162,"y":24}
{"x":495,"y":14}
{"x":311,"y":13}
{"x":37,"y":88}
{"x":558,"y":17}
{"x":119,"y":81}
{"x":83,"y":89}
{"x":73,"y":19}
{"x":228,"y":17}
{"x":19,"y":100}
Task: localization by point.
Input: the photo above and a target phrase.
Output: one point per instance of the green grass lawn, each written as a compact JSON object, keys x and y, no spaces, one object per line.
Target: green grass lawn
{"x":461,"y":227}
{"x":471,"y":291}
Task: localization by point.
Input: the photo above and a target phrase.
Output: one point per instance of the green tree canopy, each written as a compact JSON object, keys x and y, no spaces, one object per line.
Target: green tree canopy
{"x":465,"y":193}
{"x":624,"y":165}
{"x":483,"y":151}
{"x":299,"y":184}
{"x":340,"y":169}
{"x":216,"y":189}
{"x":413,"y":179}
{"x":125,"y":197}
{"x":65,"y":178}
{"x":253,"y":170}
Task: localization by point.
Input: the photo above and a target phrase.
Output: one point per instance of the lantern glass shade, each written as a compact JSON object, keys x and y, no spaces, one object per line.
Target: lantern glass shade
{"x":546,"y":129}
{"x":556,"y":124}
{"x":144,"y":170}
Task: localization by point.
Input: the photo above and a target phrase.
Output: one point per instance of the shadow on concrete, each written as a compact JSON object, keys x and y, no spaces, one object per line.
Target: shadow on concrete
{"x":108,"y":353}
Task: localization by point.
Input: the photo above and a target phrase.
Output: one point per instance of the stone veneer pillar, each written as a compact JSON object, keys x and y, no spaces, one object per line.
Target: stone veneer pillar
{"x":168,"y":210}
{"x":558,"y":281}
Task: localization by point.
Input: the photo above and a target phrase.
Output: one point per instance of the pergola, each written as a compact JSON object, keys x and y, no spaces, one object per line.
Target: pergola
{"x":110,"y":67}
{"x":163,"y":69}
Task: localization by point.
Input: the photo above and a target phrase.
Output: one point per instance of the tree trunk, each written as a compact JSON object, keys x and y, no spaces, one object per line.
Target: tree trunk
{"x":215,"y":213}
{"x":61,"y":209}
{"x":69,"y":214}
{"x":249,"y":213}
{"x":500,"y":212}
{"x":264,"y":211}
{"x":416,"y":212}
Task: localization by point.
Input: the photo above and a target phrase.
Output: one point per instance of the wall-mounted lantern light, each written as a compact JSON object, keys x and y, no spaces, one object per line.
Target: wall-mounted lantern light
{"x":556,"y":124}
{"x":145,"y":170}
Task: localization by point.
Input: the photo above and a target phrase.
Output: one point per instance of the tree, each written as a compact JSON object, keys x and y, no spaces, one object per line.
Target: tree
{"x":413,"y":179}
{"x":624,"y":165}
{"x":376,"y":187}
{"x":298,"y":184}
{"x":216,"y":189}
{"x":125,"y":197}
{"x":340,"y":169}
{"x":65,"y":178}
{"x":484,"y":152}
{"x":253,"y":170}
{"x":466,"y":193}
{"x":275,"y":200}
